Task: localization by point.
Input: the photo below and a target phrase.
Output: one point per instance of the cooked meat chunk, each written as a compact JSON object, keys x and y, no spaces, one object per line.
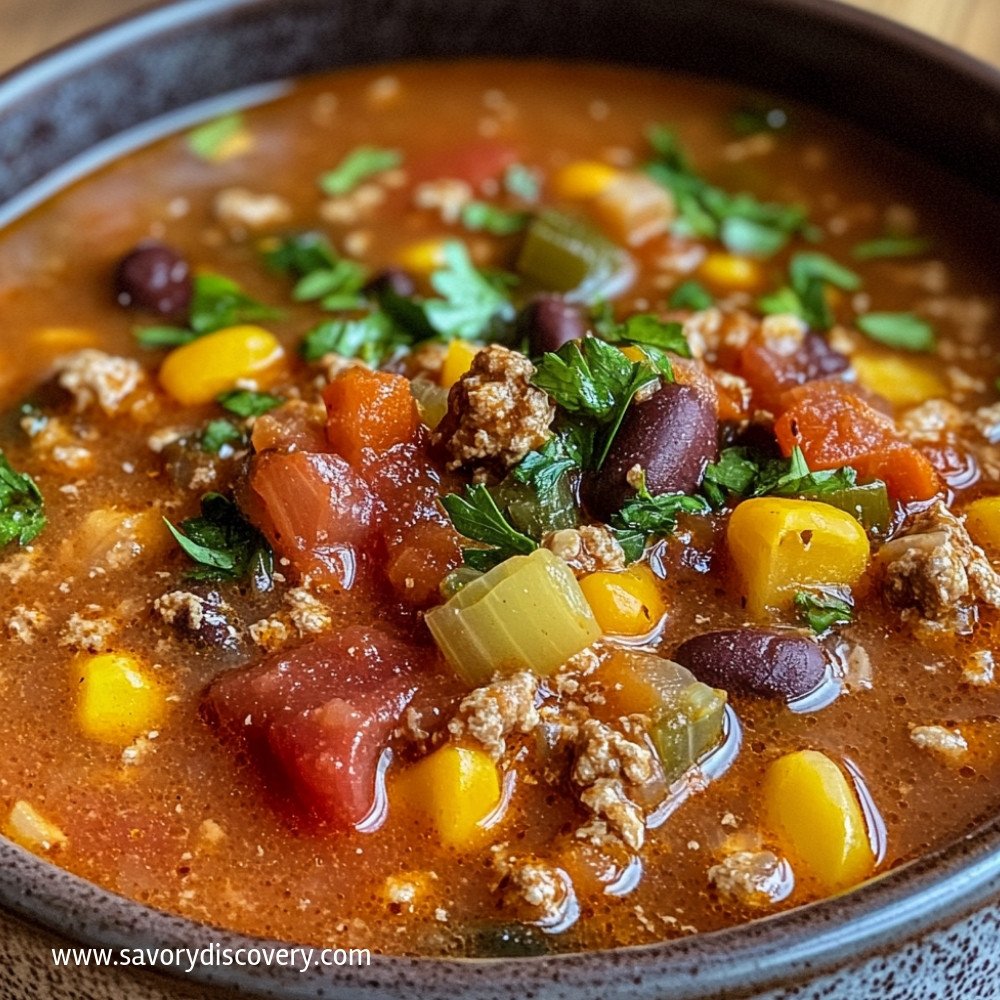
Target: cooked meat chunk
{"x":754,"y":877}
{"x":240,"y":209}
{"x":92,"y":376}
{"x":495,"y":416}
{"x":545,"y":889}
{"x":587,"y":549}
{"x":936,"y":573}
{"x":491,"y":713}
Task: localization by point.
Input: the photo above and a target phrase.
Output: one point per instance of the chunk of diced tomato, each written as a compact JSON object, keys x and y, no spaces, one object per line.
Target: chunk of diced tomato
{"x":320,"y":716}
{"x":421,"y":559}
{"x":834,"y":427}
{"x":316,"y":512}
{"x":473,"y":162}
{"x":369,"y":412}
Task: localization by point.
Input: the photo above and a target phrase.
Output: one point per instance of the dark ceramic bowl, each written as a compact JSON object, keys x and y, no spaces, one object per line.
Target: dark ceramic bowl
{"x":928,"y":930}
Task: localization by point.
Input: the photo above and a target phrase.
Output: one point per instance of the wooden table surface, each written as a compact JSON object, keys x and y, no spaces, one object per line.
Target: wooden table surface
{"x":28,"y":26}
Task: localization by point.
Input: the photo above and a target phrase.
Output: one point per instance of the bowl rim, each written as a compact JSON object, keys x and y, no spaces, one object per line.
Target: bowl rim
{"x":895,"y":907}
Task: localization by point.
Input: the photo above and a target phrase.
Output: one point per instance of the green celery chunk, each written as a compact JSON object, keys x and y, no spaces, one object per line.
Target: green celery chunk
{"x":869,"y":503}
{"x":536,"y":512}
{"x":528,"y":613}
{"x":563,"y":254}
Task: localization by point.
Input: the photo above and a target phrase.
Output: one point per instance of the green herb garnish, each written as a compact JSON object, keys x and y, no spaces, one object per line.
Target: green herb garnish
{"x":740,"y":221}
{"x":217,"y":434}
{"x":809,"y":274}
{"x":891,"y":246}
{"x":476,"y":516}
{"x":821,"y":611}
{"x":22,"y":508}
{"x":371,"y":338}
{"x":247,"y":403}
{"x":481,"y":215}
{"x":649,"y":516}
{"x":358,"y":166}
{"x":224,"y":544}
{"x":691,"y":295}
{"x":209,"y":141}
{"x":521,"y":182}
{"x":321,"y":273}
{"x":471,"y":302}
{"x":901,"y":330}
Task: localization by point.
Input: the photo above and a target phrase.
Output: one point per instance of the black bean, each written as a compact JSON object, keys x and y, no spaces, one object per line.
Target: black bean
{"x":671,"y":436}
{"x":549,"y":321}
{"x":209,"y":622}
{"x":392,"y":279}
{"x":154,"y":277}
{"x":755,"y":661}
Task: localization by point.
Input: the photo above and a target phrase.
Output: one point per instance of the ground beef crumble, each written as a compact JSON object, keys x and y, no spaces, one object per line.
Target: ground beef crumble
{"x":93,"y":376}
{"x":491,"y":713}
{"x":588,"y":549}
{"x":495,"y":416}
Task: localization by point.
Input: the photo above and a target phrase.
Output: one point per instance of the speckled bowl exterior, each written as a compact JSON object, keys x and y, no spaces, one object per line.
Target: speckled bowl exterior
{"x":930,"y":930}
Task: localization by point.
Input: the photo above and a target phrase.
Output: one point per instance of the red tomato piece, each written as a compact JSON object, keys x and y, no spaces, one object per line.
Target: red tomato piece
{"x":317,"y":512}
{"x":473,"y":163}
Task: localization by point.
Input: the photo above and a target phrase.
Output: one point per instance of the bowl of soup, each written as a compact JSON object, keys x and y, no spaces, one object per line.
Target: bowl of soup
{"x":500,"y":502}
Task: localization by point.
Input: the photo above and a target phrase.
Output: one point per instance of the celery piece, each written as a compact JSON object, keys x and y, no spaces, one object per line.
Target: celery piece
{"x":528,"y":613}
{"x":869,"y":503}
{"x":563,"y":254}
{"x":687,"y":715}
{"x":537,"y":511}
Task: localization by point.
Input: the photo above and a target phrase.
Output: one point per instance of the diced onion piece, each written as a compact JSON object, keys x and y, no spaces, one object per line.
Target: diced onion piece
{"x":29,"y":828}
{"x":528,"y":613}
{"x":432,"y":401}
{"x":563,"y":254}
{"x":635,"y":208}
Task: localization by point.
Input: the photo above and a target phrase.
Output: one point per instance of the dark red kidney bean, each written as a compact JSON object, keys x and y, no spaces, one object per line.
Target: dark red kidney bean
{"x":392,"y":279}
{"x":819,"y":359}
{"x":755,"y":661}
{"x":208,"y":622}
{"x":549,"y":321}
{"x":154,"y":277}
{"x":672,"y":436}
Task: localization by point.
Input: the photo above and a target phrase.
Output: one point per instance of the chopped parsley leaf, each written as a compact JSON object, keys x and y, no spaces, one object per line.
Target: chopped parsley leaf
{"x":649,"y":516}
{"x":212,"y":140}
{"x":690,"y":295}
{"x":358,"y":166}
{"x":822,"y":611}
{"x":900,"y":330}
{"x":891,"y":246}
{"x":224,"y":544}
{"x":809,"y":274}
{"x":22,"y":508}
{"x":481,"y":215}
{"x":247,"y":403}
{"x":217,"y":434}
{"x":371,"y":338}
{"x":471,"y":302}
{"x":521,"y":182}
{"x":477,"y":517}
{"x":321,"y":274}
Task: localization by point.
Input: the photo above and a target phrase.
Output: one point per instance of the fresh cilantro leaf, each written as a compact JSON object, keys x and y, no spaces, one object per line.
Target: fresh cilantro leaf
{"x":209,"y":141}
{"x":471,"y":303}
{"x":477,"y":516}
{"x":756,"y":118}
{"x":744,"y":224}
{"x":901,"y":330}
{"x":217,"y":434}
{"x":321,"y":274}
{"x":358,"y":166}
{"x":247,"y":403}
{"x":481,"y":215}
{"x":224,"y":544}
{"x":219,"y":302}
{"x":406,"y":313}
{"x":371,"y":338}
{"x":809,"y":274}
{"x":690,"y":295}
{"x":792,"y":477}
{"x":22,"y":508}
{"x":543,"y":469}
{"x":733,"y":475}
{"x":521,"y":182}
{"x":647,"y":330}
{"x":648,"y":517}
{"x":300,"y":254}
{"x":164,"y":336}
{"x":822,"y":611}
{"x":891,"y":246}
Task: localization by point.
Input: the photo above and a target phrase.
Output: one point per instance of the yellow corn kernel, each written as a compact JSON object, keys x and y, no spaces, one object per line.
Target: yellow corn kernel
{"x":781,"y":546}
{"x":626,"y":603}
{"x":902,"y":381}
{"x":583,"y":180}
{"x":731,"y":271}
{"x":457,"y":361}
{"x":59,"y":339}
{"x":117,"y":699}
{"x":982,"y":519}
{"x":199,"y":371}
{"x":454,"y":789}
{"x":424,"y":256}
{"x":813,"y":811}
{"x":28,"y":827}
